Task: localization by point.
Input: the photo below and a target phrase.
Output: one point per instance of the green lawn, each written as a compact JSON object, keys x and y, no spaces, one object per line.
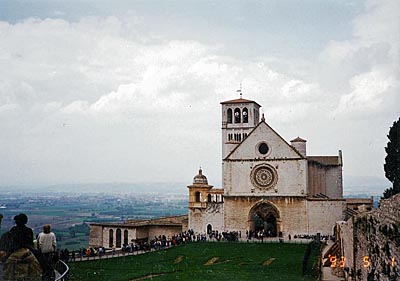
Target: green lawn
{"x":203,"y":261}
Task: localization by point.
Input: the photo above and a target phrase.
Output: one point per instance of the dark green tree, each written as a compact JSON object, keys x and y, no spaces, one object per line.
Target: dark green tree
{"x":392,"y":160}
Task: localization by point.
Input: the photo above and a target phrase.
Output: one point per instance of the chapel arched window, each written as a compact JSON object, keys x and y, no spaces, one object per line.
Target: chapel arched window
{"x":125,"y":237}
{"x":118,"y":238}
{"x":111,"y":238}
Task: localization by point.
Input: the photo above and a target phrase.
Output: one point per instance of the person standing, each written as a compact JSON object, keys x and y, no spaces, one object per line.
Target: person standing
{"x":17,"y":243}
{"x":47,"y":245}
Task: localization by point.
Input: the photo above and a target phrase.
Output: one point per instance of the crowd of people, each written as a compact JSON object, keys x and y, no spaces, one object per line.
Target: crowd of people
{"x":25,"y":256}
{"x":314,"y":237}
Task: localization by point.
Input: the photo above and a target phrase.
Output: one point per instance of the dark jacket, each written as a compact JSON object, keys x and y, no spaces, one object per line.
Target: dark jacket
{"x":20,"y":236}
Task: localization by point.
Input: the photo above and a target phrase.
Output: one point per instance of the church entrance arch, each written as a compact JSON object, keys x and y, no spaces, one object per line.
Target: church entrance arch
{"x":264,"y":217}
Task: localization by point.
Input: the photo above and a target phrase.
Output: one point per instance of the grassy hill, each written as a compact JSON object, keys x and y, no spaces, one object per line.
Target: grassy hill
{"x":205,"y":261}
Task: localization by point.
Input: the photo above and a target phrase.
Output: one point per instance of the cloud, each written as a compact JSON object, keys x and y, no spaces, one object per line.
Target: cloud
{"x":97,"y":98}
{"x":368,"y":93}
{"x":363,"y":72}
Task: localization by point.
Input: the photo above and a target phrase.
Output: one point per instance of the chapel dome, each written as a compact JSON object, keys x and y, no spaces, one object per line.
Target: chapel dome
{"x":200,"y":178}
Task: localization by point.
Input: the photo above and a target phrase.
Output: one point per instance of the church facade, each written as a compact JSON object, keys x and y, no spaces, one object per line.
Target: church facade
{"x":267,"y":183}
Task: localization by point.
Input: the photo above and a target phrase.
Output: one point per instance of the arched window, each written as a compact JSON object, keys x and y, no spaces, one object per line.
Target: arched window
{"x":118,"y":238}
{"x":125,"y":237}
{"x":209,"y":198}
{"x":245,"y":115}
{"x":229,"y":113}
{"x":198,"y":196}
{"x":111,"y":238}
{"x":237,"y":115}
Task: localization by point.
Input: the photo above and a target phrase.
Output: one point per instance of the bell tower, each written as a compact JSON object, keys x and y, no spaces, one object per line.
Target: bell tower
{"x":239,"y":117}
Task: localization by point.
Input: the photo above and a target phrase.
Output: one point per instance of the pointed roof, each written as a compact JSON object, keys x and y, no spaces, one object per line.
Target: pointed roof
{"x":254,"y":129}
{"x":298,"y":139}
{"x":239,"y":101}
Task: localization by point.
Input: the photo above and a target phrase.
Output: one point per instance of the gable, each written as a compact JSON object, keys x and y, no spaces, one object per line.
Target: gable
{"x":277,"y":147}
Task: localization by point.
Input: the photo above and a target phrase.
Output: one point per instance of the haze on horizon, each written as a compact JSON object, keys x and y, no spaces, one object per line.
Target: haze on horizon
{"x":94,"y":92}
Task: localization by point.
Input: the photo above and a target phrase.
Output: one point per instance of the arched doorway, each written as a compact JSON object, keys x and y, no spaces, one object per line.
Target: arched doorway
{"x":264,"y":216}
{"x":209,"y":229}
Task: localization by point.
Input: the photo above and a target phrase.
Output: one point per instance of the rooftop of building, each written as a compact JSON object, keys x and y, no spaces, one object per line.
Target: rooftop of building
{"x":162,"y":221}
{"x":325,"y":160}
{"x":240,"y":100}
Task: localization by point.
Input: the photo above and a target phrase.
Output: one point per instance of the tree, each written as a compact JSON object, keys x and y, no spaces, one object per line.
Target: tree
{"x":392,"y":160}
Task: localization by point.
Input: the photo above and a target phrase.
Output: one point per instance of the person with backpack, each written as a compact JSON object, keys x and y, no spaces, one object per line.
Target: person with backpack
{"x":17,"y":243}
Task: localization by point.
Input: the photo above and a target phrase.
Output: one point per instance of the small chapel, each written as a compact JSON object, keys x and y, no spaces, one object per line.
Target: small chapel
{"x":267,"y":183}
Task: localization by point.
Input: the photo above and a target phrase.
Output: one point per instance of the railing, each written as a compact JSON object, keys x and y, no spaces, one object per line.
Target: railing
{"x":197,"y":204}
{"x":61,"y":270}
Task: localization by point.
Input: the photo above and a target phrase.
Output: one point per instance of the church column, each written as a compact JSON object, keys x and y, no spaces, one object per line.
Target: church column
{"x":278,"y":226}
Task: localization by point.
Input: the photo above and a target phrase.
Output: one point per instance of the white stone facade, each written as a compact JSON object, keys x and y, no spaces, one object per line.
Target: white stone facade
{"x":267,"y":183}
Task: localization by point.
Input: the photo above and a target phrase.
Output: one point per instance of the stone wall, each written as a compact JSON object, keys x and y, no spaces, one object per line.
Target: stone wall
{"x":323,"y":214}
{"x":291,"y":177}
{"x":196,"y":219}
{"x":96,"y":236}
{"x":370,"y":242}
{"x":292,"y":213}
{"x":168,"y":231}
{"x":325,"y":179}
{"x":213,"y":214}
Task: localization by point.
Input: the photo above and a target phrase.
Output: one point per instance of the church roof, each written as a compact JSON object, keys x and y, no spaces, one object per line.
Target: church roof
{"x":325,"y":160}
{"x":239,"y":101}
{"x":200,"y":181}
{"x":298,"y":139}
{"x":200,"y":178}
{"x":359,"y":200}
{"x":254,"y":129}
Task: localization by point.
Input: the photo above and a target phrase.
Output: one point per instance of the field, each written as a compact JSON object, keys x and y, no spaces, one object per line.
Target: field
{"x":70,"y":213}
{"x":205,"y":261}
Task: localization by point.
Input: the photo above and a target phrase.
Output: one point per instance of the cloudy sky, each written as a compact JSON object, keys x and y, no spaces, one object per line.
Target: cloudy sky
{"x":129,"y":91}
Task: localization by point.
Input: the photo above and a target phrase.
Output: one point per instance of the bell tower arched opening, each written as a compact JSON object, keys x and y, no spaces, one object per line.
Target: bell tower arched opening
{"x":265,"y":217}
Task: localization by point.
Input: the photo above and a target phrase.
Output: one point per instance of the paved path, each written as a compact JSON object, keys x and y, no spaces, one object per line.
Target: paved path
{"x":327,"y":271}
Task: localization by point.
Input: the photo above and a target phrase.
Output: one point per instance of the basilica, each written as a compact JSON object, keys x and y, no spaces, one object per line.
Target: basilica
{"x":268,"y":184}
